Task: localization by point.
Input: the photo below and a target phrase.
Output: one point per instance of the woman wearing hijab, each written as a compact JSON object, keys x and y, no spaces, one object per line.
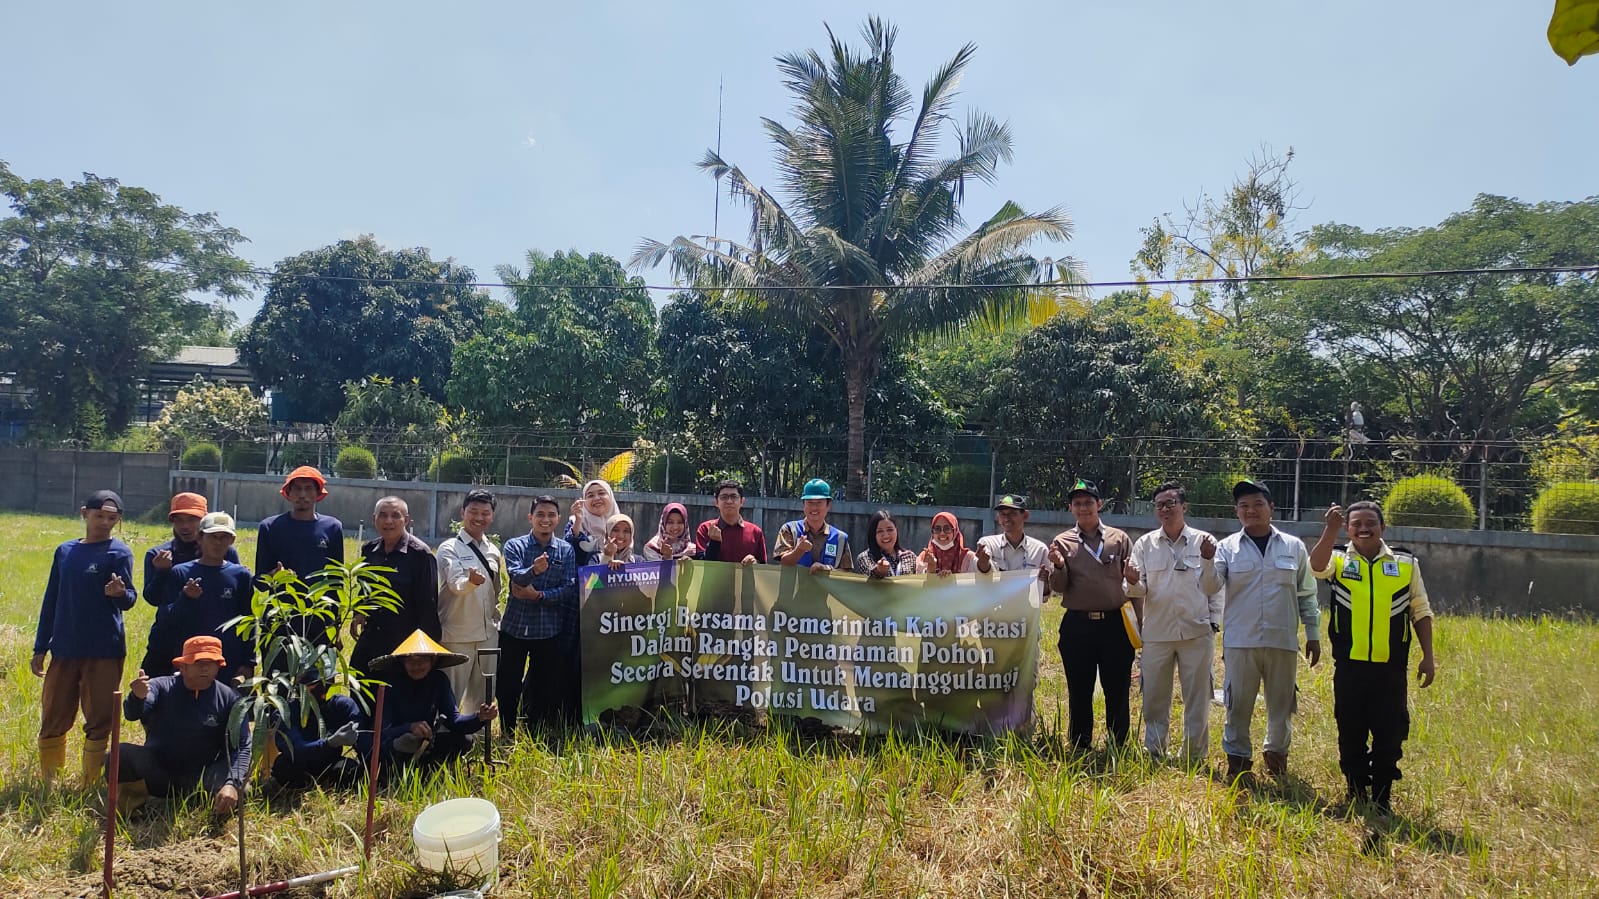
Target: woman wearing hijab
{"x":618,"y":548}
{"x":883,"y":556}
{"x":672,"y":539}
{"x":946,"y":553}
{"x":588,"y":528}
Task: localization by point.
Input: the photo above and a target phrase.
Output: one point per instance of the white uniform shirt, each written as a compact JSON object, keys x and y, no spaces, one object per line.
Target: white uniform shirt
{"x":469,"y":613}
{"x":1176,"y":606}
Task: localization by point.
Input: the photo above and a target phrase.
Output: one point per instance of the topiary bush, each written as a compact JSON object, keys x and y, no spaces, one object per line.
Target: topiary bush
{"x":246,"y":458}
{"x":1428,"y":501}
{"x":355,"y":462}
{"x":451,"y":468}
{"x":685,"y":476}
{"x":962,"y":485}
{"x":300,"y":452}
{"x":1567,"y":507}
{"x":201,"y":457}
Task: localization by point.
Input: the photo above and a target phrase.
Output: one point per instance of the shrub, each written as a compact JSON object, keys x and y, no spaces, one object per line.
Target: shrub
{"x":1212,"y":495}
{"x":355,"y":462}
{"x":685,"y":475}
{"x":961,"y":485}
{"x":526,"y":470}
{"x":1567,"y":507}
{"x":202,"y":457}
{"x":300,"y":452}
{"x":1428,"y":501}
{"x":451,"y":468}
{"x":245,"y":458}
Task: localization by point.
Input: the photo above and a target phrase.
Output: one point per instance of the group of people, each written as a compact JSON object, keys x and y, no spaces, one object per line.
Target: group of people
{"x":1163,"y":593}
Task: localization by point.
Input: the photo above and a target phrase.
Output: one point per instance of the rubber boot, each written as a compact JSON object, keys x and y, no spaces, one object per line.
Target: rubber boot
{"x":1238,"y":768}
{"x":1276,"y":763}
{"x":94,"y":752}
{"x":131,"y":797}
{"x":52,"y":756}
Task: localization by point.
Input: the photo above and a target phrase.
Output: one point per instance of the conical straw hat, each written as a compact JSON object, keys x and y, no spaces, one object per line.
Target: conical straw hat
{"x":419,"y":644}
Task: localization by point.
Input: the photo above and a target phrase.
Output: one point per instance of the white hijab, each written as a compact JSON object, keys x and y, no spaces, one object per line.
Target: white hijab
{"x":594,"y":527}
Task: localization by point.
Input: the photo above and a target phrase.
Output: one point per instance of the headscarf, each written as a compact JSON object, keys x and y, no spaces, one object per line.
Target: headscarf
{"x":666,"y":547}
{"x":625,"y":555}
{"x":948,"y":560}
{"x":595,"y":527}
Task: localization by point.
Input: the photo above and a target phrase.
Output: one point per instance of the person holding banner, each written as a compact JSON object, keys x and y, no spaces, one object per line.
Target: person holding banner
{"x":618,"y":549}
{"x":1271,"y":590}
{"x":672,"y":539}
{"x":1091,"y":561}
{"x":537,"y":651}
{"x":883,"y":556}
{"x":1012,"y":549}
{"x":1181,"y":619}
{"x":728,"y":537}
{"x":946,"y":552}
{"x":811,"y":542}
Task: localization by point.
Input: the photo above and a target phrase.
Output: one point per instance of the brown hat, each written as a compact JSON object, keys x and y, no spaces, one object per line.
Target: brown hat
{"x":418,"y":644}
{"x":188,"y":504}
{"x":309,"y":473}
{"x":201,"y":649}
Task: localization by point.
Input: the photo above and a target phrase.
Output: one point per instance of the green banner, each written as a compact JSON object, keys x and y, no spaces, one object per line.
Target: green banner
{"x":956,"y":653}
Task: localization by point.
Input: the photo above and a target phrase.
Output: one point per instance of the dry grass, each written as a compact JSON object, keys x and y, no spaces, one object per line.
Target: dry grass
{"x":1500,"y":798}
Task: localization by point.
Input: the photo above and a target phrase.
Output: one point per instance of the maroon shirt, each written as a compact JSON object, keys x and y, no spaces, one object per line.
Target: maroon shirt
{"x":738,"y":541}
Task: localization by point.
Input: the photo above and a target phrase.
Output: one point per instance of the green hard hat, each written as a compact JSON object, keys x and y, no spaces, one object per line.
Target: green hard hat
{"x":816,"y":488}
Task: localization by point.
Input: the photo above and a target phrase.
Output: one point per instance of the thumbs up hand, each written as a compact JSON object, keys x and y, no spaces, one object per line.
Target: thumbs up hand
{"x":140,"y":688}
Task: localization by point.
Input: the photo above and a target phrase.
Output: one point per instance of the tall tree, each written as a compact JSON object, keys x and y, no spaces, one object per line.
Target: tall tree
{"x":868,"y":245}
{"x":354,"y":309}
{"x":1466,"y":353}
{"x":575,"y":358}
{"x":98,"y":280}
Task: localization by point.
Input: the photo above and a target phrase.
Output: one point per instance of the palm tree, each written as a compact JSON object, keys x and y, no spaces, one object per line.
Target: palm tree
{"x":866,"y":248}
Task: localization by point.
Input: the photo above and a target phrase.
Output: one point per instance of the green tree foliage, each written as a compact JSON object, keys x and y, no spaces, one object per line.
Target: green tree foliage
{"x":354,"y":309}
{"x":1084,"y":376}
{"x":202,"y":457}
{"x":865,"y":212}
{"x":568,"y":359}
{"x":751,"y":395}
{"x":1428,"y":501}
{"x":398,"y":418}
{"x":97,"y":281}
{"x":355,"y":462}
{"x":1462,"y":353}
{"x":217,"y":413}
{"x":452,"y":468}
{"x":1567,"y":507}
{"x":246,"y":457}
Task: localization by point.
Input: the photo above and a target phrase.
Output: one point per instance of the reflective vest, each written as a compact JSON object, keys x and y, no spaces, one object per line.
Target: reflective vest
{"x":829,"y":550}
{"x":1371,"y":607}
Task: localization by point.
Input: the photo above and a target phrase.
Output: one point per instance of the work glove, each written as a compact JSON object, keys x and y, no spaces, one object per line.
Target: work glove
{"x":344,"y":736}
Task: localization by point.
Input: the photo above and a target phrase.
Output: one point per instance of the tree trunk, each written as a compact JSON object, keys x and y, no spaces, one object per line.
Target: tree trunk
{"x":857,"y":378}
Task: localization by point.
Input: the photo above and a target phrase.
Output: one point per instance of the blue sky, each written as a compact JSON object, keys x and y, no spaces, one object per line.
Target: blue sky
{"x":481,"y":130}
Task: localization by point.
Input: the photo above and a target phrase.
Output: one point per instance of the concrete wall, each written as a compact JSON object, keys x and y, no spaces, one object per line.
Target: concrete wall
{"x":56,"y":482}
{"x":1505,"y":572}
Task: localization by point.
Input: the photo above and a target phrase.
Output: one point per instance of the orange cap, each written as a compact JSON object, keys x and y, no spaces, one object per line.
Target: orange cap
{"x":201,"y":649}
{"x":188,"y":504}
{"x":307,"y":472}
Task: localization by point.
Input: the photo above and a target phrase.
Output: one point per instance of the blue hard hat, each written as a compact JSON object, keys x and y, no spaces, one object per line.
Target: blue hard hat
{"x":816,"y":488}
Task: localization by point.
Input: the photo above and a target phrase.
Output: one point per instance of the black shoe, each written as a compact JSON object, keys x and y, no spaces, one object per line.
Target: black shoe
{"x":1358,"y":794}
{"x":1382,"y":796}
{"x":1238,"y":768}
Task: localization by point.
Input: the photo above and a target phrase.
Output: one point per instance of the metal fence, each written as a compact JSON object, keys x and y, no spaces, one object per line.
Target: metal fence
{"x":1499,"y":480}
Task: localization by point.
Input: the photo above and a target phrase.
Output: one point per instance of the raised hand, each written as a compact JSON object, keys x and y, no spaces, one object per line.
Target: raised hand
{"x":163,"y":560}
{"x":541,"y":564}
{"x":140,"y":687}
{"x":1056,"y":560}
{"x":1207,"y":548}
{"x":475,"y":577}
{"x":115,"y":587}
{"x":192,"y":588}
{"x":882,"y":568}
{"x":1334,"y":517}
{"x":804,"y":545}
{"x":713,"y":531}
{"x":982,"y":554}
{"x":1129,"y":572}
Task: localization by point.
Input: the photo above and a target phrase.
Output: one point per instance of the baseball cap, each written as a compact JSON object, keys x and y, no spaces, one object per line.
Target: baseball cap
{"x":816,"y":488}
{"x":217,"y":523}
{"x":1012,"y":501}
{"x":1245,"y":487}
{"x":105,"y":500}
{"x":188,"y":504}
{"x":1082,"y":486}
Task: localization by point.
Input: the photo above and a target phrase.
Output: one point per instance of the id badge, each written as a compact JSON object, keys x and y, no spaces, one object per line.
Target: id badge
{"x":1390,"y":568}
{"x":1351,"y":570}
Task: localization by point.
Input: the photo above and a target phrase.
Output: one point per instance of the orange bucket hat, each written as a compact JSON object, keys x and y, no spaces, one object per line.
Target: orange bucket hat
{"x":201,"y":649}
{"x":188,"y":504}
{"x":309,"y":473}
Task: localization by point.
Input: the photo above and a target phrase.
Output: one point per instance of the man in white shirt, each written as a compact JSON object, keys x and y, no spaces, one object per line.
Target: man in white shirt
{"x":471,"y":588}
{"x":1181,"y":619}
{"x":1012,"y":549}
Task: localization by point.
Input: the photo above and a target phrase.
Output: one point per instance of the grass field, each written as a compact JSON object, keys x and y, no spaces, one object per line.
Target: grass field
{"x":1501,"y":797}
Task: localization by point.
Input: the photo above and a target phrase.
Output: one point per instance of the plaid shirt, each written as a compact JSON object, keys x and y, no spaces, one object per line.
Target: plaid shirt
{"x":556,"y":614}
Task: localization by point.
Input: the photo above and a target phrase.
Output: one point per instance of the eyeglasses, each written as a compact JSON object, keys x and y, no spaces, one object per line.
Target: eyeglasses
{"x":1168,"y":503}
{"x":727,"y":497}
{"x":943,"y":529}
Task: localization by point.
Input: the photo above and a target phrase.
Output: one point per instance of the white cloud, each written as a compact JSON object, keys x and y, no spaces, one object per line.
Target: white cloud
{"x":529,"y":143}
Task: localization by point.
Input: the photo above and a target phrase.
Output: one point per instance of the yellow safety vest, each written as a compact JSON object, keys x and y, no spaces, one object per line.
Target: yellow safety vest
{"x":1371,"y":606}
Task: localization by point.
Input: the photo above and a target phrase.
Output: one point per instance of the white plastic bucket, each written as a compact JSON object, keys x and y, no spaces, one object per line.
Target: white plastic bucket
{"x":460,"y":836}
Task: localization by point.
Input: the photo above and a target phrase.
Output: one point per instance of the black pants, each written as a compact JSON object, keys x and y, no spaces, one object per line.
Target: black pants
{"x":534,"y":682}
{"x":327,"y":766}
{"x":1090,"y":648}
{"x":140,"y":763}
{"x":1370,"y":702}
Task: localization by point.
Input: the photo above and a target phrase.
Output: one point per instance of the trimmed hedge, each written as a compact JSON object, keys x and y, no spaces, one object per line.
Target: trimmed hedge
{"x":685,"y":477}
{"x":451,"y":468}
{"x":1567,"y":507}
{"x":202,"y":457}
{"x":1429,"y":501}
{"x":246,"y":458}
{"x":355,"y":462}
{"x":300,"y":452}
